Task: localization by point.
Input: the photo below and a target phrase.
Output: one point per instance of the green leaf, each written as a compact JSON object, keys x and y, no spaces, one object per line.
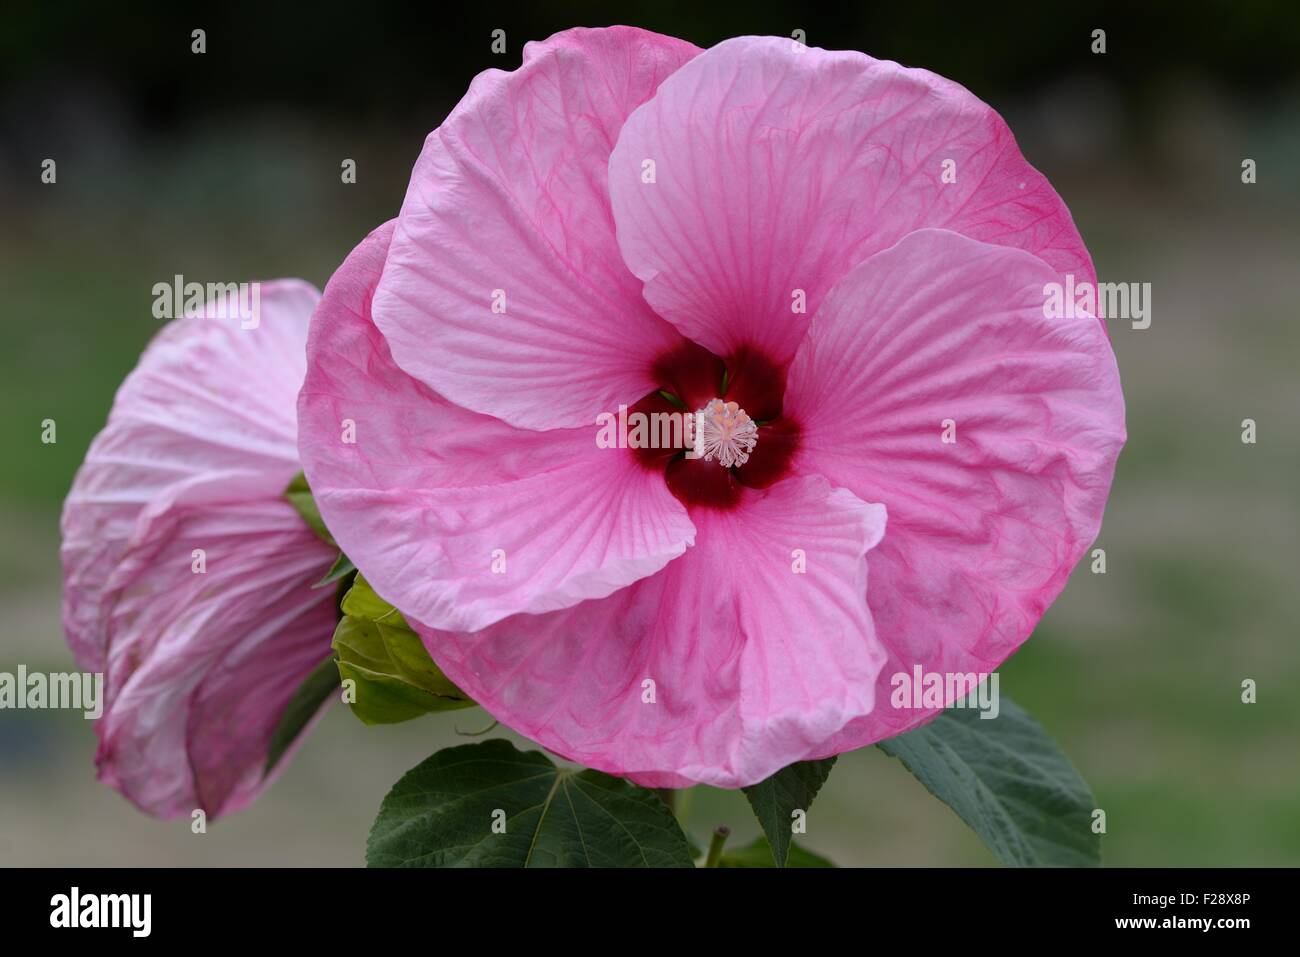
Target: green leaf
{"x":759,"y":854}
{"x":776,"y":799}
{"x":395,"y":679}
{"x":340,"y":570}
{"x":299,"y":496}
{"x":442,"y":814}
{"x":362,"y":601}
{"x":1009,"y":781}
{"x":306,"y":701}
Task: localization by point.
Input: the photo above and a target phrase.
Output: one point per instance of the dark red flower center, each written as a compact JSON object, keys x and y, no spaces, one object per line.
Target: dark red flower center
{"x":690,"y":377}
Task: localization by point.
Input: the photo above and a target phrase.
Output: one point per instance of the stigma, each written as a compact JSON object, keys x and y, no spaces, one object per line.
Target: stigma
{"x":727,"y":434}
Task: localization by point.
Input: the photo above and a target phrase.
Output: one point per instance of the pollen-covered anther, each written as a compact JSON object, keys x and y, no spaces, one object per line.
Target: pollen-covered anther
{"x":727,"y":434}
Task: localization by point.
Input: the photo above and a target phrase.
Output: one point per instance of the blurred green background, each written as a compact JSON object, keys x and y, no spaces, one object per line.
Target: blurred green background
{"x":226,"y":165}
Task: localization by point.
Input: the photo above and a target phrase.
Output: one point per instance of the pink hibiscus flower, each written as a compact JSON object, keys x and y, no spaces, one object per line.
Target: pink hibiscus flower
{"x":762,"y":224}
{"x":187,"y":576}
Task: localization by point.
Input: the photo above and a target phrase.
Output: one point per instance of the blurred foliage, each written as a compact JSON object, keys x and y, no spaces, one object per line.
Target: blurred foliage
{"x":342,"y":57}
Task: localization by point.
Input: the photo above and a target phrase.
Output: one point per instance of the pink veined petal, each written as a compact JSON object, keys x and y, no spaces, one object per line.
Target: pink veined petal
{"x":723,"y":668}
{"x":943,"y":333}
{"x":206,"y":416}
{"x":504,"y":289}
{"x":202,"y":666}
{"x":458,"y":518}
{"x":199,"y":664}
{"x":778,"y":167}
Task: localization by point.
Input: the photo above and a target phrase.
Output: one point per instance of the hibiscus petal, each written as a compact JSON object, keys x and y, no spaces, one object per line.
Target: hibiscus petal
{"x":752,"y":662}
{"x":206,"y":416}
{"x":202,"y":666}
{"x":199,"y":665}
{"x":455,"y":517}
{"x":983,"y":531}
{"x":510,"y":199}
{"x":777,"y":168}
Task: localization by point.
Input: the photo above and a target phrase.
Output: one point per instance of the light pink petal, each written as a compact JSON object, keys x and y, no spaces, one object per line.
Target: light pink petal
{"x":458,"y":518}
{"x":753,"y":664}
{"x":777,"y":168}
{"x":510,"y":199}
{"x":206,"y":416}
{"x":202,"y":666}
{"x":197,"y":452}
{"x":983,"y":531}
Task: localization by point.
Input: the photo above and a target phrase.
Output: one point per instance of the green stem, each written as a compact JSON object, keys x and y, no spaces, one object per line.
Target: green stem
{"x":682,"y":808}
{"x":720,"y":835}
